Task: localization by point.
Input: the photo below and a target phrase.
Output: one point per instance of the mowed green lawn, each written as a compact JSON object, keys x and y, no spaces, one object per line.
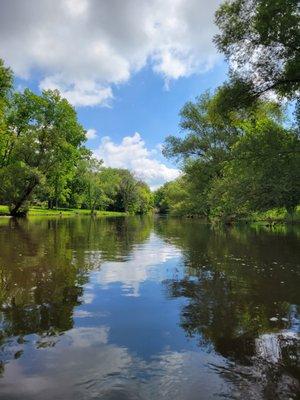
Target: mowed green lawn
{"x":39,"y":211}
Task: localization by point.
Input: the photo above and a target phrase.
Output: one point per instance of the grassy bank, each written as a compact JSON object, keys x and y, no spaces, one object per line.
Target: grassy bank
{"x":275,"y":216}
{"x":39,"y":211}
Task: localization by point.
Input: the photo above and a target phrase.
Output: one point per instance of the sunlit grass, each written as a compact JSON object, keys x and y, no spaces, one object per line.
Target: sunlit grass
{"x":4,"y":210}
{"x":39,"y":211}
{"x":276,"y":215}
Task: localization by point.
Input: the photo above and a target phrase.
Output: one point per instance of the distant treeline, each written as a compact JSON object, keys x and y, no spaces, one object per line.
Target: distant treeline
{"x":241,"y":152}
{"x":43,"y":160}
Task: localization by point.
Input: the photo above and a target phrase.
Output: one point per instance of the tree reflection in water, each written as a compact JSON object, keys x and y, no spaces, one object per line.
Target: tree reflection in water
{"x":242,"y":288}
{"x":43,"y":268}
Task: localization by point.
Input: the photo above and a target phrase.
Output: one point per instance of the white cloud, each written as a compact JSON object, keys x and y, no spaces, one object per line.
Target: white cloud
{"x":133,"y":154}
{"x":84,"y":47}
{"x":91,"y":134}
{"x":80,"y":92}
{"x":76,"y":8}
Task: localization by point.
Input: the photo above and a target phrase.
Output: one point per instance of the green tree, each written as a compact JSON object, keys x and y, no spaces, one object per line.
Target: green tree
{"x":208,"y":137}
{"x":232,"y":163}
{"x":95,"y":194}
{"x":44,"y":138}
{"x":145,"y":198}
{"x":174,"y":197}
{"x":77,"y":186}
{"x":6,"y":83}
{"x":260,"y":39}
{"x":110,"y":182}
{"x":264,"y":172}
{"x":160,"y":202}
{"x":127,"y":196}
{"x":56,"y":190}
{"x":203,"y":149}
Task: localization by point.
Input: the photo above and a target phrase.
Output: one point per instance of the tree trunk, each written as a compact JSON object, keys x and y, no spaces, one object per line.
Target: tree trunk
{"x":15,"y":211}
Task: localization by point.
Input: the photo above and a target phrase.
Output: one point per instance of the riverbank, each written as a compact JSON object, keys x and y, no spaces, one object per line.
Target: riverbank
{"x":270,"y":217}
{"x":275,"y":216}
{"x":39,"y":211}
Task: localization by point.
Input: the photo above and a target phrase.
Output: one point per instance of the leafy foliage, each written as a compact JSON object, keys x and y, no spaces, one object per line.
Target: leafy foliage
{"x":5,"y":88}
{"x":260,"y":39}
{"x":233,"y":164}
{"x":264,"y":172}
{"x":43,"y":143}
{"x":43,"y":158}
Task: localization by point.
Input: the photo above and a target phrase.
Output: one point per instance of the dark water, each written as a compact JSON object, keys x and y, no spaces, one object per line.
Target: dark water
{"x":148,"y":309}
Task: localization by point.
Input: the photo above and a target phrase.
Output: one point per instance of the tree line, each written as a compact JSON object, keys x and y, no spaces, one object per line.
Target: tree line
{"x":241,"y":150}
{"x":43,"y":159}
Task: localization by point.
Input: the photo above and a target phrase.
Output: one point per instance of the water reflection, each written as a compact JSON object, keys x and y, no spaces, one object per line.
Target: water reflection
{"x":141,"y":266}
{"x":241,"y":284}
{"x":138,"y":308}
{"x":44,"y":266}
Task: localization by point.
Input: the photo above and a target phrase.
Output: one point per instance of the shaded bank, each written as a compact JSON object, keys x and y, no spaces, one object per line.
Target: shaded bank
{"x":269,"y":218}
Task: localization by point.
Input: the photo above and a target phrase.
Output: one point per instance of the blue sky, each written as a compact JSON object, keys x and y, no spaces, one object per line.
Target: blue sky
{"x":144,"y":105}
{"x":127,"y":66}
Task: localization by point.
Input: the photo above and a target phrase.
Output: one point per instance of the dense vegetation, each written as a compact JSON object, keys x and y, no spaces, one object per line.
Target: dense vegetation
{"x":43,"y":160}
{"x":260,"y":39}
{"x":241,"y":151}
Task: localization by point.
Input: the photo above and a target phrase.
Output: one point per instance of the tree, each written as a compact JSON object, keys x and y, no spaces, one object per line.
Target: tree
{"x":127,"y":196}
{"x":208,"y":135}
{"x":264,"y":172}
{"x":203,"y":149}
{"x":233,"y":163}
{"x":42,"y":158}
{"x":110,"y":182}
{"x":160,"y":200}
{"x":260,"y":39}
{"x":56,"y":190}
{"x":94,"y":192}
{"x":6,"y":83}
{"x":77,"y":186}
{"x":208,"y":144}
{"x":43,"y":139}
{"x":145,"y":198}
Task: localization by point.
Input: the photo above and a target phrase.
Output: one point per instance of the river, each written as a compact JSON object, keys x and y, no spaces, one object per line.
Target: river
{"x":148,"y":309}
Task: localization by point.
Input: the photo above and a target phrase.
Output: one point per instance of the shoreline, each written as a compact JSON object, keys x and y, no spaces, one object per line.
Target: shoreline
{"x":68,"y":212}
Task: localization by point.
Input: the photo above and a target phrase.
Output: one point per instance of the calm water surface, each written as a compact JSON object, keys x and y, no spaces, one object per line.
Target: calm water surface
{"x":148,"y":309}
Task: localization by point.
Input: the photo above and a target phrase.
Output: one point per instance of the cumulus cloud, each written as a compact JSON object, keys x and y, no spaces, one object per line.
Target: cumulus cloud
{"x":78,"y":92}
{"x":84,"y":47}
{"x":91,"y":134}
{"x":133,"y":154}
